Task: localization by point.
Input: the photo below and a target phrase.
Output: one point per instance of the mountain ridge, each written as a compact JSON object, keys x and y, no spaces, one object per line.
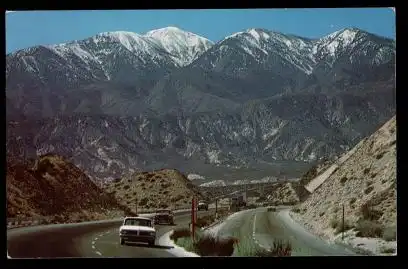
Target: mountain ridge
{"x":233,"y":105}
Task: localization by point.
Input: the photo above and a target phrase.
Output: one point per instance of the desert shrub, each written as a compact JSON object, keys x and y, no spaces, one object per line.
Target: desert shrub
{"x":165,"y":192}
{"x":210,"y":245}
{"x":368,"y":190}
{"x":368,"y":228}
{"x":390,"y":233}
{"x":178,"y":233}
{"x":373,"y":175}
{"x":251,"y":206}
{"x":271,"y":209}
{"x":117,"y":180}
{"x":205,"y":221}
{"x":380,"y":155}
{"x":368,"y":213}
{"x":339,"y":227}
{"x":279,"y":249}
{"x":143,"y":201}
{"x":387,"y":250}
{"x":343,"y":180}
{"x":321,"y":214}
{"x":177,"y":198}
{"x":296,"y":209}
{"x":353,"y":200}
{"x":165,"y":185}
{"x":163,"y":205}
{"x":366,"y":171}
{"x":143,"y":184}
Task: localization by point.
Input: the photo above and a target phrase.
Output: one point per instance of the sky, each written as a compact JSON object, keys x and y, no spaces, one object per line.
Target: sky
{"x":30,"y":28}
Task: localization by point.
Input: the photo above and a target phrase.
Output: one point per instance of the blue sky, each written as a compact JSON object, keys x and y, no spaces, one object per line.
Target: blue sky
{"x":29,"y":28}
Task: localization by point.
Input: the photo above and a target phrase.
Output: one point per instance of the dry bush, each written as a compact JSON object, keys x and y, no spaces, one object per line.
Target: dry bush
{"x":279,"y":249}
{"x":338,"y":226}
{"x":390,"y":233}
{"x":369,"y":213}
{"x":178,"y":233}
{"x":368,"y":228}
{"x":210,"y":245}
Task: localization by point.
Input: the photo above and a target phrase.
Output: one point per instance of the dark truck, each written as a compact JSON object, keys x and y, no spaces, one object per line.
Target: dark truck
{"x":164,"y":216}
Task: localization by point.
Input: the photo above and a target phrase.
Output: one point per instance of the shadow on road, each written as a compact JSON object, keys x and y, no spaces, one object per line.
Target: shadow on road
{"x":147,"y":246}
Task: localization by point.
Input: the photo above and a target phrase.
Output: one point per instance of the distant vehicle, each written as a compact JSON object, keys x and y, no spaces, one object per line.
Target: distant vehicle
{"x":239,"y":201}
{"x":202,"y":205}
{"x":137,"y":229}
{"x":164,"y":216}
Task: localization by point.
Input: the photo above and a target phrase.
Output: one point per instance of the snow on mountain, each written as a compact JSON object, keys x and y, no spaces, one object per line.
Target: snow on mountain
{"x":214,"y":183}
{"x":194,"y":177}
{"x":183,"y":46}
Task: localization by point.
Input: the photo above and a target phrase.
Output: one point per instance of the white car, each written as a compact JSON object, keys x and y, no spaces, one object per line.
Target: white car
{"x":137,"y":229}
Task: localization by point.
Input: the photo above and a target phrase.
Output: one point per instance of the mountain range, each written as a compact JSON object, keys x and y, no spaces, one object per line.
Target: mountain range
{"x":119,"y":102}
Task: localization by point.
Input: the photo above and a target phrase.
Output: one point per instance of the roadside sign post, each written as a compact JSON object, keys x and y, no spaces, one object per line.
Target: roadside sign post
{"x":136,"y":206}
{"x":193,"y":218}
{"x":216,"y":207}
{"x":342,"y":228}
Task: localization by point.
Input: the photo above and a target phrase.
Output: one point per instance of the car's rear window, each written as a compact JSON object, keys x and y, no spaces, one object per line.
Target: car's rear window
{"x":138,"y":222}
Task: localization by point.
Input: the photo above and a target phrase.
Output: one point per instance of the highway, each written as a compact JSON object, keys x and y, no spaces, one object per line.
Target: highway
{"x":92,"y":239}
{"x":100,"y":239}
{"x":260,"y":228}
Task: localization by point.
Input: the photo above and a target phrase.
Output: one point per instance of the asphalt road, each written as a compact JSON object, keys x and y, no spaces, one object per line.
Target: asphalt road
{"x":97,"y":239}
{"x":263,"y":228}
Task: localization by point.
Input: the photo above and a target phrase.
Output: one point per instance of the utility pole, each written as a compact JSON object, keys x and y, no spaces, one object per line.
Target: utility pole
{"x":136,"y":207}
{"x":342,"y":228}
{"x":216,"y":207}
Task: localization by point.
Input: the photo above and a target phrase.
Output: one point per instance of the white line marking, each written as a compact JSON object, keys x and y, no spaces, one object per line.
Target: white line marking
{"x":97,"y":252}
{"x":93,"y":247}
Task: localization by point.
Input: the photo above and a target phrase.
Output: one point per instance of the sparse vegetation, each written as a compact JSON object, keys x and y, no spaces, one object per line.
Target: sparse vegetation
{"x":339,"y":227}
{"x":368,"y":190}
{"x":369,"y":213}
{"x":367,"y":228}
{"x":279,"y":249}
{"x":366,"y":171}
{"x":380,"y":155}
{"x":387,"y":250}
{"x":390,"y":233}
{"x":343,"y":180}
{"x":271,"y":209}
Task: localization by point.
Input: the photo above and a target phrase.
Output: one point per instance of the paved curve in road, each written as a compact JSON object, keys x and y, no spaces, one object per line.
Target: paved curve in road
{"x":96,"y":239}
{"x":262,"y":228}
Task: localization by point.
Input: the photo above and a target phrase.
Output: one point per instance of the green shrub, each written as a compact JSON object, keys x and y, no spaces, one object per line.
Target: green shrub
{"x":368,"y":228}
{"x":390,"y":233}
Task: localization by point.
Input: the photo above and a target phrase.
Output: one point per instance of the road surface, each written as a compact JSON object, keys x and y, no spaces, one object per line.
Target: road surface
{"x":263,"y":228}
{"x":97,"y":239}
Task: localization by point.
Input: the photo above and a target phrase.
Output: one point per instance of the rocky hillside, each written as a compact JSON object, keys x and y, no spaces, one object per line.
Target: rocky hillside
{"x":120,"y":101}
{"x":52,"y":187}
{"x":365,"y":184}
{"x":166,"y":188}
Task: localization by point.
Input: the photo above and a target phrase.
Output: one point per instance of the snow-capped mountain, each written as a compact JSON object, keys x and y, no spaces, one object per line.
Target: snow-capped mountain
{"x":119,"y":101}
{"x":184,"y":46}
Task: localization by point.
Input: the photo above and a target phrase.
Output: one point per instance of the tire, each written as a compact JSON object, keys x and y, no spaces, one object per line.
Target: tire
{"x":122,"y":242}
